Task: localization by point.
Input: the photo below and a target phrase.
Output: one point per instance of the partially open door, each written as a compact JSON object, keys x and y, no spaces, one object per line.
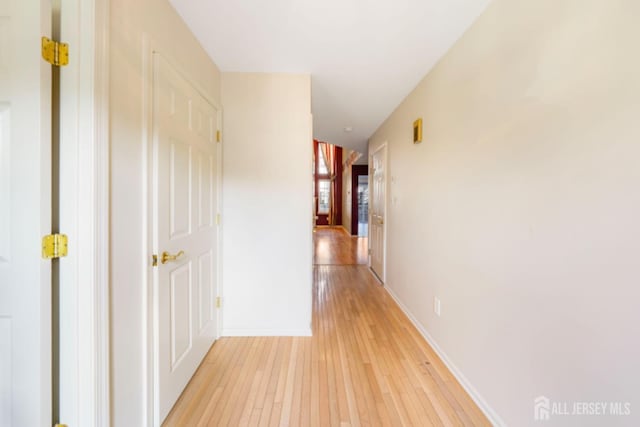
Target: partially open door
{"x":25,"y":215}
{"x":377,"y":226}
{"x":185,"y":188}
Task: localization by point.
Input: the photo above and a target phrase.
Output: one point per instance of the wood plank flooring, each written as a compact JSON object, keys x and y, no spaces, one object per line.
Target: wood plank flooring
{"x":365,"y":365}
{"x":334,"y":246}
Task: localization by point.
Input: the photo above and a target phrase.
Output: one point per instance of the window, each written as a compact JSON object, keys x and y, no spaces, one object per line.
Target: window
{"x":322,"y":163}
{"x":324,"y":194}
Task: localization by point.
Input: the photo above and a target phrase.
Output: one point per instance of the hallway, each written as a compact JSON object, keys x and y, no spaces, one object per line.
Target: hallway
{"x":365,"y":364}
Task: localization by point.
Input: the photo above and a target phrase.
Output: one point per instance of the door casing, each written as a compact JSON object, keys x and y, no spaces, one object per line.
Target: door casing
{"x":84,"y":215}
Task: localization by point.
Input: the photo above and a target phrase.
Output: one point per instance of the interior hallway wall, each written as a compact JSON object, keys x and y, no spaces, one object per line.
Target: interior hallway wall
{"x":130,"y":21}
{"x":267,"y":209}
{"x":520,"y":209}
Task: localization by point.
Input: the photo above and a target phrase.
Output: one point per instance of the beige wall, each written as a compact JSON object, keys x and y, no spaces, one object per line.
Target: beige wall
{"x":267,"y":215}
{"x":346,"y":191}
{"x":130,"y":22}
{"x":520,"y":209}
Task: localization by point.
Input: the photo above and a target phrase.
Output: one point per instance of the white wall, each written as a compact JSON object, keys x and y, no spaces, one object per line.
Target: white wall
{"x":267,"y":190}
{"x":130,"y":21}
{"x":520,"y":209}
{"x":346,"y":191}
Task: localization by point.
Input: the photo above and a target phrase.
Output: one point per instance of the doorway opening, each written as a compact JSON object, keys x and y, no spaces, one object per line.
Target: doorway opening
{"x":327,"y":179}
{"x":360,"y":200}
{"x":340,"y":206}
{"x":363,"y":206}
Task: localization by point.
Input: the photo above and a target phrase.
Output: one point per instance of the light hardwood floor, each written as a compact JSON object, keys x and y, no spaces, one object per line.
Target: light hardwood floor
{"x":335,"y":246}
{"x":365,"y":365}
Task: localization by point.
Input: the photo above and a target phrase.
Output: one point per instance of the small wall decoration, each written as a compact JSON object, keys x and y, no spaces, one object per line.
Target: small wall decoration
{"x":417,"y":131}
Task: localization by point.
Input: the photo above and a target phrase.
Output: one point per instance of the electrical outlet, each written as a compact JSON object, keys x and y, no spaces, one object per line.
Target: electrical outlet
{"x":436,"y":306}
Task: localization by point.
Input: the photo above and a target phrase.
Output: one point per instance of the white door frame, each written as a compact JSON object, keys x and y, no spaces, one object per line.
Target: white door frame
{"x":84,"y":157}
{"x":383,"y":146}
{"x":149,"y":47}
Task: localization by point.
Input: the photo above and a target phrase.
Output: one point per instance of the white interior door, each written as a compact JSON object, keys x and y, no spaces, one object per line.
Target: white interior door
{"x":186,"y":187}
{"x":25,"y":215}
{"x":378,"y":196}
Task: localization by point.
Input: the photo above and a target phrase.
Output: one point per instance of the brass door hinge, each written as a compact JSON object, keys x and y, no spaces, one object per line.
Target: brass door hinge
{"x":218,"y":302}
{"x":54,"y":246}
{"x":218,"y":136}
{"x":55,"y":53}
{"x":369,"y":251}
{"x":60,"y":425}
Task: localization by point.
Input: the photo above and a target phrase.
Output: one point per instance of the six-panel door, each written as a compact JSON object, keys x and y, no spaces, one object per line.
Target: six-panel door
{"x":185,"y":182}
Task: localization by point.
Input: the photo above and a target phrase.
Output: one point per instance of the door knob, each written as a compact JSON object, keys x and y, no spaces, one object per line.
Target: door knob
{"x":166,"y":256}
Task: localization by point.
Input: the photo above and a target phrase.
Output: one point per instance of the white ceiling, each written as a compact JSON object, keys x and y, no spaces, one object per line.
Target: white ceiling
{"x":364,"y":56}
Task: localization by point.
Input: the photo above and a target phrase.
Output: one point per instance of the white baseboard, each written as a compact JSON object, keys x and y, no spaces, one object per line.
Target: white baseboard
{"x":266,"y":332}
{"x":493,"y":417}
